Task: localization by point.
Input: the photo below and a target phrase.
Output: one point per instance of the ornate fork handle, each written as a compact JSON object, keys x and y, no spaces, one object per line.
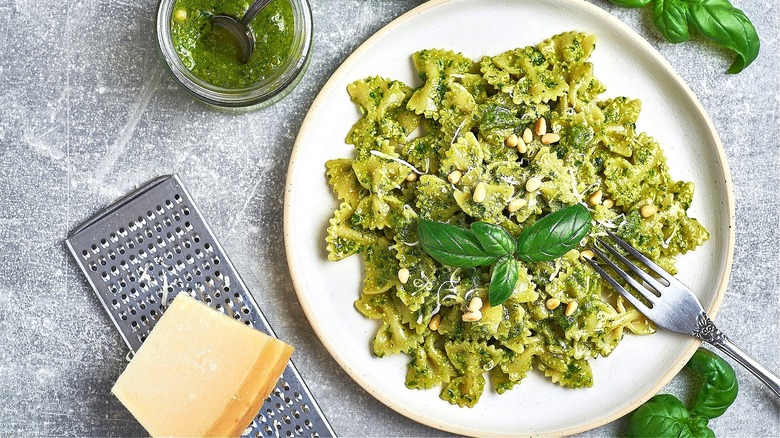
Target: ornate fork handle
{"x":706,"y":331}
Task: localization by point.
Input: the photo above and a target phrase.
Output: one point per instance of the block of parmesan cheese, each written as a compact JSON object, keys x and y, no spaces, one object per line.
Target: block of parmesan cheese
{"x":200,"y":373}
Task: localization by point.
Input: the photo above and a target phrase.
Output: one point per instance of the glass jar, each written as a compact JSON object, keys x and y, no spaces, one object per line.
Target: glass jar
{"x":258,"y":95}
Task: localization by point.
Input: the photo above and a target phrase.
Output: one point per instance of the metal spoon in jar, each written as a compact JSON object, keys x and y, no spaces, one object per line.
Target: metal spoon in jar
{"x":240,"y":28}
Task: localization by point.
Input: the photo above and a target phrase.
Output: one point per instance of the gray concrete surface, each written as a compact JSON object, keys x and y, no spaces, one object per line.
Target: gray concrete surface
{"x":86,"y":113}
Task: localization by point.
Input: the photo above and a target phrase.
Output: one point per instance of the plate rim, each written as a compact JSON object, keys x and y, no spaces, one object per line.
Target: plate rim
{"x":648,"y":50}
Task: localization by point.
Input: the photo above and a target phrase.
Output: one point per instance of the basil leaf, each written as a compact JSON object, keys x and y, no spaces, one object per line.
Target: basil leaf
{"x":670,"y":17}
{"x":719,"y":389}
{"x":721,"y":22}
{"x":631,"y":3}
{"x":664,"y":415}
{"x":495,"y":240}
{"x":452,"y":245}
{"x":554,"y":235}
{"x":503,"y":280}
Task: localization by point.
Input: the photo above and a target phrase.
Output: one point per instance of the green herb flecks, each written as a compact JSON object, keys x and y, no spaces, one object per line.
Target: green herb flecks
{"x":487,"y":244}
{"x":717,"y":20}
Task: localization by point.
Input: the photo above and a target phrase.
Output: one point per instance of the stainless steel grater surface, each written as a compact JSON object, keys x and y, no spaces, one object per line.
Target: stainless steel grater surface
{"x":153,"y":244}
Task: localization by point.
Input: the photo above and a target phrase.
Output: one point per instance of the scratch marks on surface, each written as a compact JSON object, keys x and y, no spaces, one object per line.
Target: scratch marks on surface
{"x":126,"y":133}
{"x":258,"y":180}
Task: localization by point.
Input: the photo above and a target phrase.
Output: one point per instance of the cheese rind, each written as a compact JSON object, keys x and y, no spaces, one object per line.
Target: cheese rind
{"x":200,"y":373}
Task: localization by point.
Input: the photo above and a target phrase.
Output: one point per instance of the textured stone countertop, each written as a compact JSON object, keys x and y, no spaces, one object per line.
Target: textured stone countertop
{"x":87,"y":113}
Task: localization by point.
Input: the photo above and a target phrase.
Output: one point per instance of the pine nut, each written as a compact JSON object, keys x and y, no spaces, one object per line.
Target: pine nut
{"x":541,"y":126}
{"x":511,"y":141}
{"x":475,"y":304}
{"x":480,"y":193}
{"x":595,"y":198}
{"x":472,"y":316}
{"x":571,"y":308}
{"x":411,"y":177}
{"x":180,"y":15}
{"x":455,"y":176}
{"x":552,"y":303}
{"x":403,"y":275}
{"x":528,"y":135}
{"x":435,"y":321}
{"x":550,"y":138}
{"x":516,"y":204}
{"x":521,"y":146}
{"x":648,"y":210}
{"x":587,"y":254}
{"x":609,"y":203}
{"x":533,"y":184}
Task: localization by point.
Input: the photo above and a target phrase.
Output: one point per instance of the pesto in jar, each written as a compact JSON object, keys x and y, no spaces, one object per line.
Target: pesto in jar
{"x":213,"y":55}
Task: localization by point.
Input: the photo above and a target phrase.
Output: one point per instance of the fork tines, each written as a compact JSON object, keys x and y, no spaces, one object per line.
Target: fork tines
{"x":659,"y":284}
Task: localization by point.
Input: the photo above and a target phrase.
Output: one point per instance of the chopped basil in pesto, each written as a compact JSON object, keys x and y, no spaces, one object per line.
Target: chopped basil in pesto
{"x":214,"y":56}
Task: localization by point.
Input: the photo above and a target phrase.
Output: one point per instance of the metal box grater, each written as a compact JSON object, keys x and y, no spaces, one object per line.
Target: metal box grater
{"x":153,"y":244}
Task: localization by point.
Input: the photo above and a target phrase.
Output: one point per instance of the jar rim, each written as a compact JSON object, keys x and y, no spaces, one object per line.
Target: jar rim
{"x":262,"y":93}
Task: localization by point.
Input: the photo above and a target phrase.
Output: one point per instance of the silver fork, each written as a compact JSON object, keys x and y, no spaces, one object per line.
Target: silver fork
{"x":674,"y":307}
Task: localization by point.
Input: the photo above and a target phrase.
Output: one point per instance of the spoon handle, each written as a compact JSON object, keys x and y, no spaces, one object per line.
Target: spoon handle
{"x":253,"y":10}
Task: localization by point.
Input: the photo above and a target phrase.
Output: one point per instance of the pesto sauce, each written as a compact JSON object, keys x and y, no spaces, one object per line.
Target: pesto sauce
{"x":212,"y":54}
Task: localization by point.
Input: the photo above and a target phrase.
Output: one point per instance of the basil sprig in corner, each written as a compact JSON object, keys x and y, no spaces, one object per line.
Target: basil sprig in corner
{"x":717,"y":20}
{"x":665,"y":415}
{"x":485,"y":244}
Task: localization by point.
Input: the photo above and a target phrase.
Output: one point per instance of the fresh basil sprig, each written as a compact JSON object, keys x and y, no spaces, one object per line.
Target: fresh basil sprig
{"x":664,"y":415}
{"x":717,"y":20}
{"x":485,"y":244}
{"x":553,"y":235}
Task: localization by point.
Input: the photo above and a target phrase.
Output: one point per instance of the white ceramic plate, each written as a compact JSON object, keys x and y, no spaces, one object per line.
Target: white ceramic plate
{"x":627,"y":65}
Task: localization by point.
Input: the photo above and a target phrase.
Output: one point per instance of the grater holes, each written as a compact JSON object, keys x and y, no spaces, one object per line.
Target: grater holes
{"x":208,"y":247}
{"x":185,"y":210}
{"x":305,"y":408}
{"x":95,"y":249}
{"x":85,"y":254}
{"x":158,"y":227}
{"x":104,"y":275}
{"x":167,"y":221}
{"x":93,"y":267}
{"x":112,"y":255}
{"x":196,"y":238}
{"x":177,"y":198}
{"x":115,"y":303}
{"x":285,"y":385}
{"x":297,"y":396}
{"x":113,"y":238}
{"x":139,"y":238}
{"x":176,"y":216}
{"x":148,"y":232}
{"x":159,"y":210}
{"x":104,"y":243}
{"x":150,"y":215}
{"x":245,"y":310}
{"x":112,"y":288}
{"x":130,"y":244}
{"x":308,"y":423}
{"x":268,"y":430}
{"x":123,"y":264}
{"x":102,"y":261}
{"x":188,"y":226}
{"x":288,"y":401}
{"x":298,"y":429}
{"x":120,"y":249}
{"x":279,"y":407}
